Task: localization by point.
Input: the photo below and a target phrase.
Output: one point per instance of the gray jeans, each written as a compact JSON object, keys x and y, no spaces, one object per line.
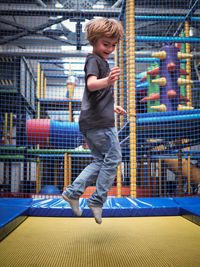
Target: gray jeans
{"x":106,"y":152}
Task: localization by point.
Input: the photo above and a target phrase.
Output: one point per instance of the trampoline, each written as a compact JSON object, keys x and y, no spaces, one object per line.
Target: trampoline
{"x":139,"y":241}
{"x":134,"y":232}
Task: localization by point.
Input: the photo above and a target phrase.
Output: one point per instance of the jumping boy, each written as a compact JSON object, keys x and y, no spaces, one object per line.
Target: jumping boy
{"x":97,"y":119}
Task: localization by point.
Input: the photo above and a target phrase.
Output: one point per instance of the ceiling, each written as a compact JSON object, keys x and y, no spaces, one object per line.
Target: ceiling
{"x":54,"y":29}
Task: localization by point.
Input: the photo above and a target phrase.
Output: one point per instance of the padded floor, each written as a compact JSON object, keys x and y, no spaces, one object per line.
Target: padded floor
{"x":133,"y":241}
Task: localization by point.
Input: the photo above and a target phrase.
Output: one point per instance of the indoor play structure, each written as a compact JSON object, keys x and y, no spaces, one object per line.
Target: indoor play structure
{"x":42,"y":55}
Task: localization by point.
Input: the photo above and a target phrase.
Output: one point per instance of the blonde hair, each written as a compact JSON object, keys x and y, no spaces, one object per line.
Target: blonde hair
{"x":103,"y":27}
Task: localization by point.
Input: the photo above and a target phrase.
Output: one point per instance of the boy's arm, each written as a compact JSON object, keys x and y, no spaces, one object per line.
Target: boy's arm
{"x":94,"y":84}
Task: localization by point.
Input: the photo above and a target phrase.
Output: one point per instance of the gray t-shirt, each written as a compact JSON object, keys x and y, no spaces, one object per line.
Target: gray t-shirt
{"x":97,"y":110}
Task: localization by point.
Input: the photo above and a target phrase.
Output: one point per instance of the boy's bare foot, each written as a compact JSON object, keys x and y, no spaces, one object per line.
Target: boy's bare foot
{"x":74,"y":203}
{"x":97,"y":212}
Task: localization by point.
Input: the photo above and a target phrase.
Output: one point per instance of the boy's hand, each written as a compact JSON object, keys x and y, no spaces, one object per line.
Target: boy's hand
{"x":119,"y":110}
{"x":113,"y":75}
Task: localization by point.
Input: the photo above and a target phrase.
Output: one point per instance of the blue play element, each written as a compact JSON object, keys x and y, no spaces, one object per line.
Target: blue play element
{"x":50,"y":189}
{"x":65,"y":134}
{"x":114,"y":207}
{"x":161,"y":121}
{"x":11,"y":208}
{"x":189,"y":205}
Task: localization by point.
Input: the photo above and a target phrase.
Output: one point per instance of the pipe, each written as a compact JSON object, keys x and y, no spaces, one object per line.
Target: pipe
{"x":165,"y":18}
{"x":19,"y":10}
{"x":45,"y":53}
{"x":40,"y":3}
{"x":189,"y":14}
{"x":166,"y":39}
{"x":117,"y":4}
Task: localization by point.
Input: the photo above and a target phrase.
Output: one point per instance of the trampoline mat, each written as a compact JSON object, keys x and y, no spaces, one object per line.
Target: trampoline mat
{"x":133,"y":241}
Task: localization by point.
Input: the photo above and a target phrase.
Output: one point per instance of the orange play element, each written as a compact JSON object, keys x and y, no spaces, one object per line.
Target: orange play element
{"x":184,"y":98}
{"x":125,"y":191}
{"x":171,"y":66}
{"x":144,"y":191}
{"x":171,"y":94}
{"x":183,"y":72}
{"x":153,"y":72}
{"x":152,"y":96}
{"x":143,"y":78}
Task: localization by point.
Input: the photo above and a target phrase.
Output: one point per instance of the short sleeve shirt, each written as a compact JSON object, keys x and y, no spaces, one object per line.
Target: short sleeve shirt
{"x":97,"y":109}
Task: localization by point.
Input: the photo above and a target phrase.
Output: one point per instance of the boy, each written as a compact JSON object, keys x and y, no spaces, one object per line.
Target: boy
{"x":96,"y":120}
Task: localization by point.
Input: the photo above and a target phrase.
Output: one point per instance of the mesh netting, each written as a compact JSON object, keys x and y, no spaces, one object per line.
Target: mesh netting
{"x":42,"y":56}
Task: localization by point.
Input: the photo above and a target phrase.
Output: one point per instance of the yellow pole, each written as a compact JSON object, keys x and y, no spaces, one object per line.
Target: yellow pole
{"x":70,"y":88}
{"x":119,"y":186}
{"x":6,"y":128}
{"x":69,"y":159}
{"x":38,"y":110}
{"x":154,"y":179}
{"x":119,"y":182}
{"x":11,"y":123}
{"x":65,"y":171}
{"x":189,"y":174}
{"x":180,"y":177}
{"x":45,"y":87}
{"x":56,"y":172}
{"x":121,"y":79}
{"x":70,"y":112}
{"x":148,"y":170}
{"x":130,"y":9}
{"x":38,"y":90}
{"x":188,"y":65}
{"x":42,"y":85}
{"x":38,"y":80}
{"x":159,"y":175}
{"x":38,"y":93}
{"x":38,"y":176}
{"x":115,"y":89}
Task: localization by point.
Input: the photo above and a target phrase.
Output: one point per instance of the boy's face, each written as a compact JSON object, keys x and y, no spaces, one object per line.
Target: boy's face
{"x":104,"y":47}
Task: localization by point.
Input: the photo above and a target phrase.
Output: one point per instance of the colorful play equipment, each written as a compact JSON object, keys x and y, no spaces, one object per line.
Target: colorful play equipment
{"x":169,"y":80}
{"x":53,"y":134}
